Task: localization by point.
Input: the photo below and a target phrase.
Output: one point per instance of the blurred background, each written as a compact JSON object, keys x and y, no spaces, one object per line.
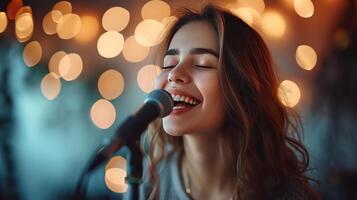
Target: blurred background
{"x":71,"y":71}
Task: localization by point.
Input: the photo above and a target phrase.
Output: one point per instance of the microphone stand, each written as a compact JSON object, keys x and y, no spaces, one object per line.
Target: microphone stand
{"x":131,"y":138}
{"x":136,"y":170}
{"x":133,"y":177}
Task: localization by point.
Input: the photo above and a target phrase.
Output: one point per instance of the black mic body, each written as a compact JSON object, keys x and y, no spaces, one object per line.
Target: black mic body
{"x":159,"y":103}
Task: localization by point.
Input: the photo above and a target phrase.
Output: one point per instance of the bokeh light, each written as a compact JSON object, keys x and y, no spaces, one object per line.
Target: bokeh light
{"x":69,"y":26}
{"x":149,"y":32}
{"x":24,"y":27}
{"x":53,"y":64}
{"x":56,"y":16}
{"x":25,"y":9}
{"x":116,"y":162}
{"x":32,"y":53}
{"x":245,"y":14}
{"x":111,"y":84}
{"x":115,"y":19}
{"x":156,"y":10}
{"x":12,"y":7}
{"x":64,"y":7}
{"x":289,"y":93}
{"x":133,"y":51}
{"x":146,"y":77}
{"x":273,"y":24}
{"x":89,"y":29}
{"x":257,"y":5}
{"x":110,"y":44}
{"x":341,"y":39}
{"x":304,"y":8}
{"x":306,"y":57}
{"x":50,"y":86}
{"x":48,"y":24}
{"x":115,"y":180}
{"x":103,"y":114}
{"x":167,"y":22}
{"x":3,"y":21}
{"x":249,"y":15}
{"x":70,"y":66}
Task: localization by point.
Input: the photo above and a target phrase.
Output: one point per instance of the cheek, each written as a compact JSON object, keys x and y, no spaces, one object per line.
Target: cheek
{"x":161,"y":81}
{"x":209,"y":87}
{"x":213,"y":102}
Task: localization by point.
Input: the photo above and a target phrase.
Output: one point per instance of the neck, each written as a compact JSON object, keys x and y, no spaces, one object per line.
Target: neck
{"x":208,"y":171}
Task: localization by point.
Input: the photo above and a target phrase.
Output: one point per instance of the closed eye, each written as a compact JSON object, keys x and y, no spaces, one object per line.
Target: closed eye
{"x":168,"y":67}
{"x":204,"y":66}
{"x":199,"y":66}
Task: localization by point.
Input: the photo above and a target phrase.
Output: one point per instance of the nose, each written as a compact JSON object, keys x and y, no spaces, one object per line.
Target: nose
{"x":179,"y":75}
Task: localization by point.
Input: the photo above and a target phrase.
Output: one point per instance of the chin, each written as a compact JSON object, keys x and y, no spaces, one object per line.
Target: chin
{"x":173,"y":132}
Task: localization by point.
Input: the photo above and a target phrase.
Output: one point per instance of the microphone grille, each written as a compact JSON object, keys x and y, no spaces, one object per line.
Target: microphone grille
{"x":163,"y":99}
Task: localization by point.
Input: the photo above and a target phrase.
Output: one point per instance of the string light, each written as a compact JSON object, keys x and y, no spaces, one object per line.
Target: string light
{"x":133,"y":51}
{"x":50,"y":86}
{"x":304,"y":8}
{"x":32,"y":53}
{"x":103,"y":114}
{"x":115,"y":19}
{"x":306,"y":57}
{"x":70,"y":66}
{"x":341,"y":39}
{"x":257,"y":5}
{"x":24,"y":27}
{"x":146,"y":77}
{"x":89,"y":29}
{"x":115,"y":180}
{"x":69,"y":26}
{"x":110,"y":44}
{"x":156,"y":10}
{"x":3,"y":21}
{"x":273,"y":24}
{"x":167,"y":22}
{"x":245,"y":14}
{"x":48,"y":24}
{"x":111,"y":84}
{"x":65,"y":7}
{"x":149,"y":32}
{"x":24,"y":9}
{"x":116,"y":162}
{"x":289,"y":93}
{"x":53,"y":64}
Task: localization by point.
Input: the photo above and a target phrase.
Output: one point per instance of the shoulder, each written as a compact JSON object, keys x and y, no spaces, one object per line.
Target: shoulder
{"x":168,"y":178}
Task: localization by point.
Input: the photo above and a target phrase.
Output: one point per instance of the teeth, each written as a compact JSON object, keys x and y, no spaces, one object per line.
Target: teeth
{"x":187,"y":100}
{"x":177,"y":98}
{"x":184,"y":99}
{"x":178,"y":107}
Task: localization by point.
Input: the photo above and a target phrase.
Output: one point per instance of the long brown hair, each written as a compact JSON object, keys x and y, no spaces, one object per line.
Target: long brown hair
{"x":260,"y":133}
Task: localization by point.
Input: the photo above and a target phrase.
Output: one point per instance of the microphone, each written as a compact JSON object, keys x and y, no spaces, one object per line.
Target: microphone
{"x":159,"y":103}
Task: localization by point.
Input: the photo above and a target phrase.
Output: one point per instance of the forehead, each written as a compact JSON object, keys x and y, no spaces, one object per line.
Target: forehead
{"x":199,"y":34}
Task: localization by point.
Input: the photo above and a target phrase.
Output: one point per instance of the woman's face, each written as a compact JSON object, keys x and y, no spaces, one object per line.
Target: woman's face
{"x":190,"y":74}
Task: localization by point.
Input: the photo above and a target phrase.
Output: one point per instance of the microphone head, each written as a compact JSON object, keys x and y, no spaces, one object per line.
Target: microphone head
{"x":163,"y":99}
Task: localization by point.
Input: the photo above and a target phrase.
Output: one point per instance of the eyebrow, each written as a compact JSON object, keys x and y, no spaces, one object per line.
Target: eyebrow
{"x":172,"y":52}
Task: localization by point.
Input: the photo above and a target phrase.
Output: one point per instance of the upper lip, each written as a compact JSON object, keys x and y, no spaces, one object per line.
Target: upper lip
{"x":182,"y":93}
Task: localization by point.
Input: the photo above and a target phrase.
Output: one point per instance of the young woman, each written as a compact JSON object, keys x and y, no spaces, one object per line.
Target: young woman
{"x":229,"y":136}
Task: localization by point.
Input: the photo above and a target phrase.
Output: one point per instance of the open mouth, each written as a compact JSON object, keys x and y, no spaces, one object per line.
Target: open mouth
{"x":181,"y":101}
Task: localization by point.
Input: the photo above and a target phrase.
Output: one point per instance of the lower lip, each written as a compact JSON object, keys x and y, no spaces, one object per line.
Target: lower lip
{"x":181,"y":110}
